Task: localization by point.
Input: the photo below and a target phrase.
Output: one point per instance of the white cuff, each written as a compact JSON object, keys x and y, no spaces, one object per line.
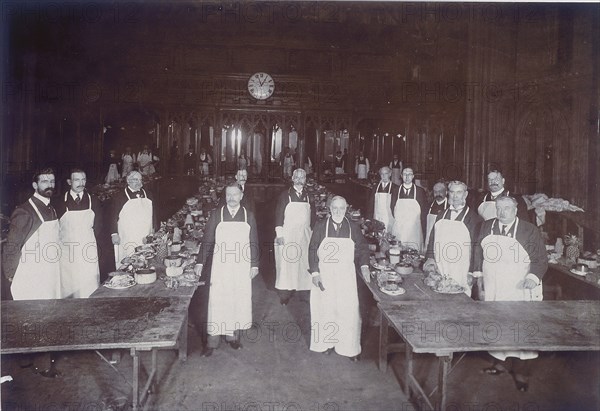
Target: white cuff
{"x":533,"y":277}
{"x":316,"y":273}
{"x":477,"y":274}
{"x":279,"y":231}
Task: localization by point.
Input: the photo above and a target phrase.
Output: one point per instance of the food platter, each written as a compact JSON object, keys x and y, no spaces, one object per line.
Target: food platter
{"x":579,"y":273}
{"x":399,"y":291}
{"x":120,"y":282}
{"x":449,"y":290}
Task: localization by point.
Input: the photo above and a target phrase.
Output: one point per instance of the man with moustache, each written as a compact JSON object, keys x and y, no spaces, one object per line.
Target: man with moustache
{"x":241,"y":177}
{"x":231,"y":238}
{"x":486,"y":206}
{"x":295,"y":216}
{"x":133,"y":217}
{"x":379,"y":206}
{"x":409,"y":212}
{"x":79,"y":214}
{"x":31,"y":256}
{"x":439,"y":204}
{"x":451,"y":246}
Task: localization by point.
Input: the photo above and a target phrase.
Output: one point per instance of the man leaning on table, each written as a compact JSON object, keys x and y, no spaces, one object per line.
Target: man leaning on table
{"x":335,"y":245}
{"x":231,"y":237}
{"x":510,"y":256}
{"x":450,"y":247}
{"x":31,"y":256}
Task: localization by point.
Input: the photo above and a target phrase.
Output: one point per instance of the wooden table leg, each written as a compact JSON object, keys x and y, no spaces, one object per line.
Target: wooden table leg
{"x":444,"y":370}
{"x":136,"y":377}
{"x":183,"y":340}
{"x":409,"y":370}
{"x":383,"y":342}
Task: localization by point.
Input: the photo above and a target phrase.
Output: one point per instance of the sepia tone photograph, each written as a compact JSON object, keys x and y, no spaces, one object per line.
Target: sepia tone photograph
{"x":300,"y":205}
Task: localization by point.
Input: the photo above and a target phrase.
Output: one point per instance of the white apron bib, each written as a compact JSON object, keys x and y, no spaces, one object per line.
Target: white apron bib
{"x":505,"y":265}
{"x":334,"y":313}
{"x":38,"y":273}
{"x":397,"y":176}
{"x":361,"y":171}
{"x":127,"y":164}
{"x":203,"y":164}
{"x":79,"y":272}
{"x":452,"y":249}
{"x":291,"y":259}
{"x":230,"y":296}
{"x":407,"y":225}
{"x":487,"y":209}
{"x":382,"y":210}
{"x":112,"y":175}
{"x":430,"y":222}
{"x":135,"y":223}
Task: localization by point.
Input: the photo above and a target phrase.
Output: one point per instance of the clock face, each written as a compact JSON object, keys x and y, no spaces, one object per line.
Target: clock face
{"x":261,"y":86}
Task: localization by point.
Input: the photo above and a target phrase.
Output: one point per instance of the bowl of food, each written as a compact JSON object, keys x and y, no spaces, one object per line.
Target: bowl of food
{"x":172,"y":261}
{"x":404,"y":268}
{"x":174,"y":271}
{"x":145,"y":276}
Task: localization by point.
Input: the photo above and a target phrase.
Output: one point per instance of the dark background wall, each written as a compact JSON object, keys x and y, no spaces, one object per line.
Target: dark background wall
{"x":465,"y":86}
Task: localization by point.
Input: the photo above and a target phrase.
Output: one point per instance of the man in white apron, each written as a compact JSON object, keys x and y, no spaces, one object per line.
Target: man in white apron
{"x":113,"y":163}
{"x":294,"y":218}
{"x":438,"y":205}
{"x":379,"y":206}
{"x":287,"y":163}
{"x":133,"y":217}
{"x":31,"y":255}
{"x":450,"y":248}
{"x":241,"y":178}
{"x":362,"y":166}
{"x":409,"y":212}
{"x":78,"y":213}
{"x":335,"y":245}
{"x":396,"y":166}
{"x":205,"y":161}
{"x":231,"y":237}
{"x":145,"y":160}
{"x":338,"y":163}
{"x":128,"y":159}
{"x":511,"y":258}
{"x":486,"y":206}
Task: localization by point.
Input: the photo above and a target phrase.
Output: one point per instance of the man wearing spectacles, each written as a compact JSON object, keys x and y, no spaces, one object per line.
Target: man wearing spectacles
{"x":133,"y":217}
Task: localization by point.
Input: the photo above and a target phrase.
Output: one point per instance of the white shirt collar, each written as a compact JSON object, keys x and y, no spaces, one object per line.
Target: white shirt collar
{"x":497,"y":193}
{"x":440,"y":202}
{"x":43,"y":199}
{"x":407,"y":188}
{"x":233,"y":211}
{"x":74,"y":194}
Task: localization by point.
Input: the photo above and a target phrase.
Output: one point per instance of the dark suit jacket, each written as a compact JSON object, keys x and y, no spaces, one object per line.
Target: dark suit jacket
{"x":528,"y":235}
{"x":522,"y":212}
{"x":472,"y":221}
{"x":371,"y":200}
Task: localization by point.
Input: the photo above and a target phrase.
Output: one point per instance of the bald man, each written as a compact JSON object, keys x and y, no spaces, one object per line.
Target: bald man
{"x":294,"y":218}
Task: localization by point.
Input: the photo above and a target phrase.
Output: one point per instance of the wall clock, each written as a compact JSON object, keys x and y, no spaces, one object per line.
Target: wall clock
{"x":261,"y":86}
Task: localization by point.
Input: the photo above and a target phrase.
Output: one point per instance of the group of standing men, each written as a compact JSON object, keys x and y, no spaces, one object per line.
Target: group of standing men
{"x":490,"y":242}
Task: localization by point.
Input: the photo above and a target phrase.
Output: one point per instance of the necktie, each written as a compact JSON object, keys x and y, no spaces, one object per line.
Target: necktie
{"x":78,"y":199}
{"x":52,"y":211}
{"x":504,"y":230}
{"x":232,"y":214}
{"x":337,"y":226}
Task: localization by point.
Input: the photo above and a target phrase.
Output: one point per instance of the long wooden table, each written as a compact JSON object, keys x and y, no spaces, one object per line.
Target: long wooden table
{"x":137,"y":324}
{"x":154,"y":290}
{"x":443,"y":328}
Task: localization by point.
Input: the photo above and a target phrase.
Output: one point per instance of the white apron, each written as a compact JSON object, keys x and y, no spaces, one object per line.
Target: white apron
{"x":505,"y":265}
{"x":230,"y":296}
{"x":430,"y":222}
{"x":487,"y":209}
{"x":38,"y":273}
{"x":127,"y":164}
{"x":79,"y":272}
{"x":135,"y":223}
{"x":407,"y":225}
{"x":145,"y":162}
{"x":291,"y":259}
{"x":452,"y":249}
{"x":382,"y":210}
{"x":112,"y":175}
{"x":334,"y":313}
{"x":288,"y":165}
{"x":204,"y":161}
{"x":361,"y":171}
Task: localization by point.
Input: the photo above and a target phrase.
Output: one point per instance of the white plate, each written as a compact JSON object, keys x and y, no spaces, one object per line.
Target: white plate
{"x":399,"y":291}
{"x":131,"y":283}
{"x":579,"y":273}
